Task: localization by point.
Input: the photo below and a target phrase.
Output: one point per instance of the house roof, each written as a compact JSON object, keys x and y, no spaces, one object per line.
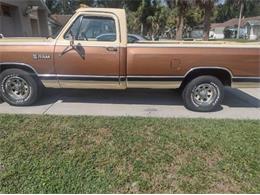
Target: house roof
{"x":234,"y":22}
{"x":217,"y":25}
{"x":254,"y":22}
{"x":61,"y":19}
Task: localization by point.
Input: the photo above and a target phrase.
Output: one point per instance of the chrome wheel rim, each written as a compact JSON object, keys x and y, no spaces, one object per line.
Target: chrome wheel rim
{"x":17,"y":88}
{"x":204,"y":94}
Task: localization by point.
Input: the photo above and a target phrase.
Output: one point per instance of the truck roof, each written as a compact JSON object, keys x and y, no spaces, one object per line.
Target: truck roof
{"x":94,"y":9}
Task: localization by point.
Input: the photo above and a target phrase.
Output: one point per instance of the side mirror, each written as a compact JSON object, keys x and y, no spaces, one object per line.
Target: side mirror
{"x":72,"y":38}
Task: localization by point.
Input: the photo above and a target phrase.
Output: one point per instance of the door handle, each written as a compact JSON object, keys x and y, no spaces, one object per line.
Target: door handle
{"x":112,"y":49}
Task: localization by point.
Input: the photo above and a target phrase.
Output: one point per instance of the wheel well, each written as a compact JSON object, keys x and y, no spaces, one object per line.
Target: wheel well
{"x":223,"y":75}
{"x":26,"y":68}
{"x":4,"y":67}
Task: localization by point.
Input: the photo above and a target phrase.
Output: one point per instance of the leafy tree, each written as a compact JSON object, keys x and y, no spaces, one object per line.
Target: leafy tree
{"x":143,"y":12}
{"x":110,"y":3}
{"x":230,"y":9}
{"x":62,"y":6}
{"x":181,"y":7}
{"x":224,"y":12}
{"x":169,"y":17}
{"x":90,"y":3}
{"x":170,"y":24}
{"x":132,"y":5}
{"x":133,"y":22}
{"x":54,"y":6}
{"x":194,"y":16}
{"x":157,"y":21}
{"x":150,"y":18}
{"x":207,"y":6}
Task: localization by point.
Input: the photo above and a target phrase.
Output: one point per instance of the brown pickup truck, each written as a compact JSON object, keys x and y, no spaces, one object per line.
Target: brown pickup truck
{"x":92,"y":51}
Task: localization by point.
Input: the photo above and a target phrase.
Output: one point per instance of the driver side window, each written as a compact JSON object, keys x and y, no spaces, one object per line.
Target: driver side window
{"x":92,"y":28}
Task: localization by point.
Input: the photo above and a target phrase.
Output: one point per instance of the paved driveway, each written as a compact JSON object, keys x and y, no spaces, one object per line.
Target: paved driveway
{"x":238,"y":104}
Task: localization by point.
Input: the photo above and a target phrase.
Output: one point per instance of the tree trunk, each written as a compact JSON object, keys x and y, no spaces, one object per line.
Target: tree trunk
{"x":206,"y":29}
{"x":239,"y":21}
{"x":142,"y":29}
{"x":179,"y":29}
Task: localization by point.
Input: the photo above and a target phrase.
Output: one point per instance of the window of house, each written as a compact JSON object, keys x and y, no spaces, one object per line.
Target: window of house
{"x":5,"y":11}
{"x":89,"y":28}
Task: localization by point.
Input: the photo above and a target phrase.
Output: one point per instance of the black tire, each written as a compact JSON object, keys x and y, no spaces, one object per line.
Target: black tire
{"x":29,"y":84}
{"x":203,"y":94}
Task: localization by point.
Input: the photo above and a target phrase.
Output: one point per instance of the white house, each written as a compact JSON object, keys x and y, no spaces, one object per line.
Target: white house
{"x":217,"y":31}
{"x":250,"y":28}
{"x":253,"y":29}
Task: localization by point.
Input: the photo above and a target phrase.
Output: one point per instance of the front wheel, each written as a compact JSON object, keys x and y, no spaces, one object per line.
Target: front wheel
{"x":18,"y":88}
{"x":203,"y":94}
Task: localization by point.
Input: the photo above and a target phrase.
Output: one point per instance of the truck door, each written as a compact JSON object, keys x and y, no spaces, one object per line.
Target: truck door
{"x":87,"y":53}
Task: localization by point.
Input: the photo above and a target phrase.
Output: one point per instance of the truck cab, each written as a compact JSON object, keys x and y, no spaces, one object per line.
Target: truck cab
{"x":84,"y":61}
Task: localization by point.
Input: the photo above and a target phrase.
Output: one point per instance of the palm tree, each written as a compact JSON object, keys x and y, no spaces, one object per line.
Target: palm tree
{"x":145,"y":10}
{"x":181,"y":7}
{"x":207,"y":6}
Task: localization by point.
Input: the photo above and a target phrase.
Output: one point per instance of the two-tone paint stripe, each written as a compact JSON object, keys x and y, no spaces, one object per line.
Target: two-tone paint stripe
{"x":246,"y":79}
{"x":110,"y":78}
{"x":78,"y":77}
{"x":130,"y":78}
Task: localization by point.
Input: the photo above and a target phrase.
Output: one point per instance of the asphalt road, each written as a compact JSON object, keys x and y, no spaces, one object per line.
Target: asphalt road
{"x":238,"y":104}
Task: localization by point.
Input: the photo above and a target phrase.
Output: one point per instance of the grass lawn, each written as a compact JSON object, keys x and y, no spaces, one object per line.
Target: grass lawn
{"x":48,"y":154}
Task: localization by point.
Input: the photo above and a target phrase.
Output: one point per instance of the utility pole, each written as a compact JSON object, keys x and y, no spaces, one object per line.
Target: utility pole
{"x":240,"y":18}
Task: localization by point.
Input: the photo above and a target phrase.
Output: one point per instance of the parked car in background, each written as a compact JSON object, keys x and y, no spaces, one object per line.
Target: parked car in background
{"x":131,"y":38}
{"x":134,"y":38}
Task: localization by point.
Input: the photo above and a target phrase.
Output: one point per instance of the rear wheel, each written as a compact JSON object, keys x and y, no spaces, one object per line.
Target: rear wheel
{"x":203,"y":94}
{"x":18,"y":88}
